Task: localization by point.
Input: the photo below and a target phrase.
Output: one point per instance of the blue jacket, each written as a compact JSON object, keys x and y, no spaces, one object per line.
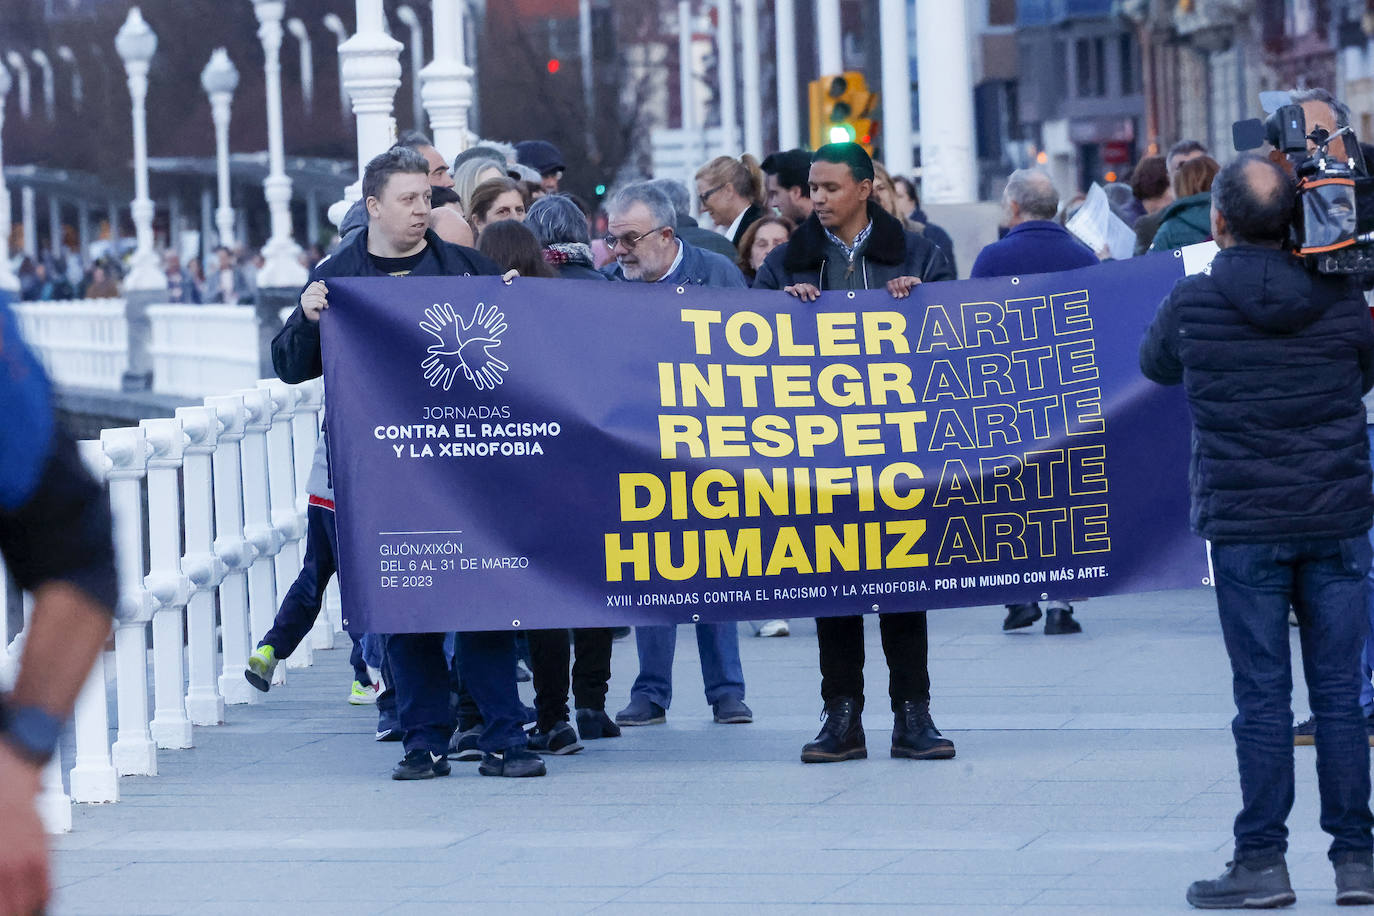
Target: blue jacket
{"x":1038,"y":246}
{"x":698,"y":268}
{"x":1273,"y":360}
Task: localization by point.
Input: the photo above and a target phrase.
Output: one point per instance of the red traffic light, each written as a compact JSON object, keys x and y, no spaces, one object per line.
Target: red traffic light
{"x":554,"y":65}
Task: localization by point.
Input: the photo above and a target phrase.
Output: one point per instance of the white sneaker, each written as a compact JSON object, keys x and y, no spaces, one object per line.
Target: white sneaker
{"x":774,"y":628}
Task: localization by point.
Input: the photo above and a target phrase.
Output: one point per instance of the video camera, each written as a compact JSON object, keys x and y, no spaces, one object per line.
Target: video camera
{"x":1333,"y":225}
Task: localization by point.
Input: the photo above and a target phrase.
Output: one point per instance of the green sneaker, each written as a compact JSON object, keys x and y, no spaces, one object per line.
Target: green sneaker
{"x":362,"y":696}
{"x":261,"y":664}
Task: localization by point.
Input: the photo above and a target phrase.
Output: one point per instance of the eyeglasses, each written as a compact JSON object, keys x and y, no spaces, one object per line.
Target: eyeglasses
{"x":629,"y":242}
{"x":706,"y":195}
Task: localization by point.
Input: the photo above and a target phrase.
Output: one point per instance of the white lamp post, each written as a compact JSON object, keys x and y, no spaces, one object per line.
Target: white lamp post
{"x":372,"y":74}
{"x":281,"y":255}
{"x":334,"y":24}
{"x":789,"y":123}
{"x":8,"y":281}
{"x":828,"y":34}
{"x":725,"y":71}
{"x":136,"y":45}
{"x":78,"y":93}
{"x":896,"y":87}
{"x":446,"y":84}
{"x":297,"y":29}
{"x":752,"y":78}
{"x":220,"y":78}
{"x":49,"y":88}
{"x":946,"y":104}
{"x":21,"y":70}
{"x":417,"y":61}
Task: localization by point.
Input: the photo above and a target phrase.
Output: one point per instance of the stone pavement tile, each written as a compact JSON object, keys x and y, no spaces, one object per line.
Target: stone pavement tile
{"x":729,"y":888}
{"x":1122,"y":841}
{"x":637,"y":908}
{"x":987,"y":861}
{"x":912,"y":889}
{"x":863,"y":838}
{"x":1110,"y":899}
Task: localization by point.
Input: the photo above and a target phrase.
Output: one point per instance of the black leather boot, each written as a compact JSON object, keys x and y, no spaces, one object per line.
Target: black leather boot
{"x":915,"y":736}
{"x":842,"y":735}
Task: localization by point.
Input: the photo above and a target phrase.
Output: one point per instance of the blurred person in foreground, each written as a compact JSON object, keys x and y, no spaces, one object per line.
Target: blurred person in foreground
{"x":55,"y":540}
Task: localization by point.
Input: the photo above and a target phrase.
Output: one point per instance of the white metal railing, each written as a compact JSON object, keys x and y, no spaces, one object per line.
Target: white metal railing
{"x":82,"y":343}
{"x":197,"y":349}
{"x":231,"y":474}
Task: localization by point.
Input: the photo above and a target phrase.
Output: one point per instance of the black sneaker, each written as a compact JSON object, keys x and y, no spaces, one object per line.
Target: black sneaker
{"x":594,"y":723}
{"x":1354,"y":883}
{"x":914,"y":735}
{"x":421,"y":764}
{"x":513,"y":761}
{"x":841,"y":737}
{"x":463,"y":744}
{"x":1021,"y":615}
{"x":1240,"y":887}
{"x":561,"y":739}
{"x":1305,"y":733}
{"x":1059,"y":621}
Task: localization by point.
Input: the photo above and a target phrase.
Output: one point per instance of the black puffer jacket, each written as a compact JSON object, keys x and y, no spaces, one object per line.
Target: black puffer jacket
{"x":1273,"y":360}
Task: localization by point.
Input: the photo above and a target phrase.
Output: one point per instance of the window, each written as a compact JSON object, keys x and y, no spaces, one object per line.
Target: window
{"x":1129,"y":63}
{"x":1090,"y":63}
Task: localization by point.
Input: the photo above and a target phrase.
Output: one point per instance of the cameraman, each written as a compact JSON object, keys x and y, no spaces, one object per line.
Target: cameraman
{"x":1274,"y":360}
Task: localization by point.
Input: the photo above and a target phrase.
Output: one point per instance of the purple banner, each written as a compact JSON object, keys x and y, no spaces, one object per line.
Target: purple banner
{"x":570,"y":453}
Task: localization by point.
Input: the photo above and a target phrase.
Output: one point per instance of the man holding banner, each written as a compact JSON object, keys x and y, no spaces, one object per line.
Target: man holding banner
{"x":647,"y":250}
{"x":398,"y":243}
{"x":851,"y":243}
{"x":1273,"y":360}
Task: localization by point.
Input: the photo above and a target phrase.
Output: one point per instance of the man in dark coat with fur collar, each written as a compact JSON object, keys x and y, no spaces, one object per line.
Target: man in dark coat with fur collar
{"x":850,"y":242}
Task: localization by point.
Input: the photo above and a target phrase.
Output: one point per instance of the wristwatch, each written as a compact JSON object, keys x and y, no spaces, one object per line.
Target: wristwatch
{"x":31,"y":732}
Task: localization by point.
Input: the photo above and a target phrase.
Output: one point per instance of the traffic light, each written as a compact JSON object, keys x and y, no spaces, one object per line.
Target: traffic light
{"x":841,"y":109}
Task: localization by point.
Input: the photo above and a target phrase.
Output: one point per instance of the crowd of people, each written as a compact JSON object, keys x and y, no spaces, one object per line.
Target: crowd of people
{"x":1274,"y":360}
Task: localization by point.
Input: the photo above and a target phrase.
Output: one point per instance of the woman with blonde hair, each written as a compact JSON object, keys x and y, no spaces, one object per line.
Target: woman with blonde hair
{"x":885,"y":193}
{"x":472,"y":172}
{"x":731,"y":193}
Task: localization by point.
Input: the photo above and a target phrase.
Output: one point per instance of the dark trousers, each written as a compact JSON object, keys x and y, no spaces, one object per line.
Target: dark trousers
{"x":305,"y":597}
{"x":591,"y":672}
{"x":841,"y":641}
{"x":1324,"y":582}
{"x":420,"y":671}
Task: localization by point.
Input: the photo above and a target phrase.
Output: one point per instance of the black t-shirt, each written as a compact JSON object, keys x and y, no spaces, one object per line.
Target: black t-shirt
{"x":399,"y":267}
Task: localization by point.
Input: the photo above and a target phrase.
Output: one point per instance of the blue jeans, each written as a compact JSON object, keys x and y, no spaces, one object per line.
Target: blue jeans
{"x":1324,"y":581}
{"x":1367,"y":685}
{"x":721,"y":671}
{"x":305,"y":597}
{"x":421,"y":675}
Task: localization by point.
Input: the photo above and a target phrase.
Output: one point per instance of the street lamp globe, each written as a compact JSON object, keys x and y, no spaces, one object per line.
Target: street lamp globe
{"x":135,"y":41}
{"x":220,"y":75}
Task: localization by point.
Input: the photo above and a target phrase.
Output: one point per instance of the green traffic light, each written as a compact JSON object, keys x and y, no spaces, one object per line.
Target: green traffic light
{"x":600,"y":189}
{"x":842,"y":133}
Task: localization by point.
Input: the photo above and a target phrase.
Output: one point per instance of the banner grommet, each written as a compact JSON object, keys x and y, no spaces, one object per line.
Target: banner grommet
{"x":515,"y":623}
{"x":875,"y":607}
{"x":1015,"y":281}
{"x":681,"y":290}
{"x":696,"y":618}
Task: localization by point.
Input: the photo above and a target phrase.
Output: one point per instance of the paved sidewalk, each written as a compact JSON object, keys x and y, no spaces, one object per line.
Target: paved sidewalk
{"x":1095,"y":774}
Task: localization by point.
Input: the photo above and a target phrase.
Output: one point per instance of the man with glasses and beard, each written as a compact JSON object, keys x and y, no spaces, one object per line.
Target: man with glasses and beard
{"x":647,"y":250}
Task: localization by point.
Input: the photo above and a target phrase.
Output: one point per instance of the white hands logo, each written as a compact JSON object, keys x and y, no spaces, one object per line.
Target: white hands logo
{"x":470,"y":340}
